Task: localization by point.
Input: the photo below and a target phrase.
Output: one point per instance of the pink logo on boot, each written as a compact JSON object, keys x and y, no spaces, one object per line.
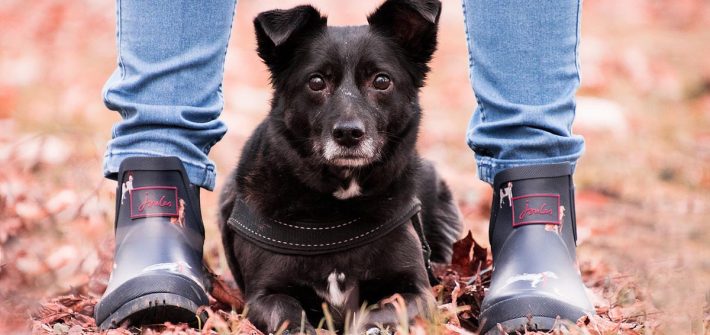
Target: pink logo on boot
{"x":536,"y":209}
{"x":153,"y":201}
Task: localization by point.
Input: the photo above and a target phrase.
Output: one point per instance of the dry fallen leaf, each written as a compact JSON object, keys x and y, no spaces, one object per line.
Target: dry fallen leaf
{"x":225,"y":293}
{"x":469,"y":257}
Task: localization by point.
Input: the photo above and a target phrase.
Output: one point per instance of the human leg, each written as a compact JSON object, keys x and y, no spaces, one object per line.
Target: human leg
{"x":168,"y":83}
{"x":525,"y":74}
{"x":167,"y":88}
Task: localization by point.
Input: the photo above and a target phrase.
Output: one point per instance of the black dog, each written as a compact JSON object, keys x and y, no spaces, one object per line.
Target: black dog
{"x":323,"y":205}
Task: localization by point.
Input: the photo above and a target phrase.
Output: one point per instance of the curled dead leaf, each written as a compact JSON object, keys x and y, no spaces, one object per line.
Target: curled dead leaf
{"x":469,"y":257}
{"x":224,"y":293}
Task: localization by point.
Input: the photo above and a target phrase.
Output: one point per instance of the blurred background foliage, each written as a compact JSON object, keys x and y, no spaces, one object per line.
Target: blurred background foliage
{"x":643,"y":184}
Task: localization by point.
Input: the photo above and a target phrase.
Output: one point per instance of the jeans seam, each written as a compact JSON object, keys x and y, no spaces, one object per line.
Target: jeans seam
{"x":516,"y":162}
{"x":469,"y":141}
{"x":206,"y":149}
{"x":488,"y":167}
{"x":481,"y":108}
{"x":119,"y":34}
{"x":470,"y":62}
{"x":207,"y":171}
{"x":119,"y":59}
{"x":152,"y":154}
{"x":576,"y":42}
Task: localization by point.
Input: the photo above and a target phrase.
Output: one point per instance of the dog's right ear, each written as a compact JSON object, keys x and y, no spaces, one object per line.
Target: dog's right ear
{"x":278,"y":30}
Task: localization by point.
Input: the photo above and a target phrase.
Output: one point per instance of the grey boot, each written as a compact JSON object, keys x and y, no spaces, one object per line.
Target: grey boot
{"x":157,"y":273}
{"x":533,"y":234}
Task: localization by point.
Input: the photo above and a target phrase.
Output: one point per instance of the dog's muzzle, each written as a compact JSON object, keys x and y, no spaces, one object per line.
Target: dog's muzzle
{"x":361,"y":154}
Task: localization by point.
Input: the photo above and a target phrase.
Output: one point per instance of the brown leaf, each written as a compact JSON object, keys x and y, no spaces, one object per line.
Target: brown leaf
{"x":71,"y":310}
{"x":461,"y":258}
{"x":600,"y":325}
{"x":480,"y":258}
{"x":224,"y":293}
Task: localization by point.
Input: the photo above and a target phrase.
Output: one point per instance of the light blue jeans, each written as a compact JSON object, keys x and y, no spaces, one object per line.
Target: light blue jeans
{"x":168,"y":83}
{"x":524,"y":68}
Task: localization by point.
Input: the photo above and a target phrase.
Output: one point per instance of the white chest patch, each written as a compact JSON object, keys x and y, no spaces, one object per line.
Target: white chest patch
{"x":352,"y":191}
{"x":335,"y":295}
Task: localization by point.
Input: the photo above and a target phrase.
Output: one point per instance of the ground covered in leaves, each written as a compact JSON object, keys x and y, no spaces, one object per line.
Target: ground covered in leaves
{"x":643,"y":185}
{"x":459,"y":294}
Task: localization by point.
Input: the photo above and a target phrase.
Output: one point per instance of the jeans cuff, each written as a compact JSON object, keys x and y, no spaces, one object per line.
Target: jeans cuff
{"x":199,"y":174}
{"x":488,"y":167}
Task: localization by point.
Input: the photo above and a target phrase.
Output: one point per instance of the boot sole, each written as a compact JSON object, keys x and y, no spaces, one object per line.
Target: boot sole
{"x":534,"y":313}
{"x":155,"y":308}
{"x":151,"y":299}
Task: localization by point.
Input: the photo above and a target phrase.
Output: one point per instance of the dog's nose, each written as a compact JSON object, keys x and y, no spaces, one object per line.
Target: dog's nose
{"x":349,"y":132}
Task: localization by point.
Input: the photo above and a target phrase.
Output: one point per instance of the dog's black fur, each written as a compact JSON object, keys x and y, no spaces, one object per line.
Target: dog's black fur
{"x":363,"y":81}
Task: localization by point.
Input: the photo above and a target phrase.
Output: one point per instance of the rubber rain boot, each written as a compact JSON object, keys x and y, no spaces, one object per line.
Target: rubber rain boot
{"x":533,"y":240}
{"x":157,"y":271}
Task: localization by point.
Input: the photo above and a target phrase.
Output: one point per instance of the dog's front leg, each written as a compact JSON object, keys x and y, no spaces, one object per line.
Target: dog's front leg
{"x":389,"y":312}
{"x":269,"y":312}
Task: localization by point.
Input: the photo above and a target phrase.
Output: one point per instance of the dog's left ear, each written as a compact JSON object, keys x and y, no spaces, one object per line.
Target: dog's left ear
{"x":411,"y":23}
{"x":279,"y":31}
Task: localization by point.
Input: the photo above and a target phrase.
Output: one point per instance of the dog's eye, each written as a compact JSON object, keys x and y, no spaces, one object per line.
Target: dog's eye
{"x":316,"y":83}
{"x":381,"y":82}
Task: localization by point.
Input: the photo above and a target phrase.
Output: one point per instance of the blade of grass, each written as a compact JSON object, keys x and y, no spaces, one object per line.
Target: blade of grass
{"x":328,"y":318}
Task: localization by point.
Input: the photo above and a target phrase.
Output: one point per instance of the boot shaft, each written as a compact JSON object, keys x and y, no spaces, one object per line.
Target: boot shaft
{"x":158,"y":222}
{"x":533,"y":197}
{"x":157,"y":271}
{"x":532,"y":232}
{"x":156,"y":187}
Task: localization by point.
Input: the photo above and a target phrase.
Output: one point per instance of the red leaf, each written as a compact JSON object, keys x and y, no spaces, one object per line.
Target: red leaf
{"x":224,"y":293}
{"x":462,"y":262}
{"x":461,"y":258}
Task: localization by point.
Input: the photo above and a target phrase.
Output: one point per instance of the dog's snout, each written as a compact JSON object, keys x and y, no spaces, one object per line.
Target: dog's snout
{"x":349,"y":132}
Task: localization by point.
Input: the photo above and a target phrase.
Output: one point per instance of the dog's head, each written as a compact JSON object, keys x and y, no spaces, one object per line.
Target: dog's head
{"x":343,"y":94}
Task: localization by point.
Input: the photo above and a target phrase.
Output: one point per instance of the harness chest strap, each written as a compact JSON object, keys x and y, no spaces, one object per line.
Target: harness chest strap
{"x":317,"y":238}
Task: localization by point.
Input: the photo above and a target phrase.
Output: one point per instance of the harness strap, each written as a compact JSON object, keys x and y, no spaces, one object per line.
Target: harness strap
{"x":317,"y":238}
{"x":426,"y":249}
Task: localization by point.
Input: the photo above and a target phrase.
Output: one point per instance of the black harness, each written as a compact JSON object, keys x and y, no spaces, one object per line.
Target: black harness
{"x":318,"y":238}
